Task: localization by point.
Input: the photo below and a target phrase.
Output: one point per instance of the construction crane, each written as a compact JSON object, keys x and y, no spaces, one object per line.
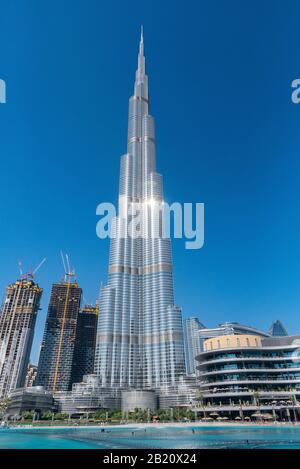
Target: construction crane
{"x":68,"y":273}
{"x":32,"y":272}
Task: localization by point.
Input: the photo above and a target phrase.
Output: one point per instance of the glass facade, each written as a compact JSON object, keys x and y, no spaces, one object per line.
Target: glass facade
{"x":140,"y":337}
{"x":57,"y":351}
{"x":277,"y":329}
{"x":85,"y":343}
{"x":269,"y":367}
{"x":192,"y":344}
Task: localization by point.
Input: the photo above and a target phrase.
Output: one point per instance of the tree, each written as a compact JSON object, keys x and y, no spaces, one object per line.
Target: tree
{"x":27,"y":415}
{"x":4,"y":403}
{"x":116,"y":415}
{"x":100,"y":415}
{"x":47,"y":415}
{"x":200,"y":399}
{"x":164,"y":415}
{"x":140,"y":415}
{"x":256,"y":395}
{"x":293,"y":400}
{"x":61,"y":416}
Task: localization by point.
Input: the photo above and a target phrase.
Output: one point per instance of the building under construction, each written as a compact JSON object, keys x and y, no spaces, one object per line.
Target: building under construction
{"x":17,"y":323}
{"x":84,"y":352}
{"x":57,"y":351}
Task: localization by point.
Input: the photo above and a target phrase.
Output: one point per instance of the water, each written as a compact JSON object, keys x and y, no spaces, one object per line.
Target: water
{"x":158,"y":436}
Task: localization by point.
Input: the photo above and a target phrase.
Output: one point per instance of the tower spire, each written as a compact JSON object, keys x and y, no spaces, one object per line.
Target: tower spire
{"x":141,"y":82}
{"x":141,"y":57}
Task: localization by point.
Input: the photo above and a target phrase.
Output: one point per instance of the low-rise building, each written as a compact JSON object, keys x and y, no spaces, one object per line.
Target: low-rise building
{"x":87,"y":396}
{"x":252,"y":372}
{"x":34,"y":398}
{"x":182,"y":394}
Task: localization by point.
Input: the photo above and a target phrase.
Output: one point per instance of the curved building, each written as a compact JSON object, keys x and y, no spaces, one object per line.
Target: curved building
{"x":195,"y":334}
{"x":243,"y":368}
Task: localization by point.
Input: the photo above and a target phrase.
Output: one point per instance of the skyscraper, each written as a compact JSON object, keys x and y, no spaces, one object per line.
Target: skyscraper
{"x":140,"y":337}
{"x":85,"y":343}
{"x":192,"y":346}
{"x":17,"y":322}
{"x":57,"y":351}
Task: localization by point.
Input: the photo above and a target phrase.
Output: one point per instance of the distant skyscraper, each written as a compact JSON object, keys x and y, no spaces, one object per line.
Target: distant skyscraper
{"x":17,"y":322}
{"x":57,"y":351}
{"x":140,"y":337}
{"x":192,"y":346}
{"x":84,"y":352}
{"x":277,"y":329}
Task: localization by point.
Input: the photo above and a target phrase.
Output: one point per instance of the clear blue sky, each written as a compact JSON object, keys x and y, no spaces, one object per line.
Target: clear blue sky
{"x":227,"y":135}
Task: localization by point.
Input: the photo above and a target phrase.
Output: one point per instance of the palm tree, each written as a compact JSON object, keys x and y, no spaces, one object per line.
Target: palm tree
{"x":47,"y":415}
{"x":61,"y":416}
{"x":200,"y":398}
{"x":28,"y":415}
{"x":4,"y":403}
{"x":294,"y":403}
{"x":163,"y":415}
{"x":256,"y":395}
{"x":116,"y":414}
{"x":100,"y":415}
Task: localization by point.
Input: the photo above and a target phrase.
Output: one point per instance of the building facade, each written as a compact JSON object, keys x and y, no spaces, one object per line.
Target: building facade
{"x":17,"y":323}
{"x":140,"y":336}
{"x":192,"y":344}
{"x":87,"y":396}
{"x":251,"y":371}
{"x":85,"y":343}
{"x":226,"y":328}
{"x":34,"y":398}
{"x":57,"y":350}
{"x":182,"y":394}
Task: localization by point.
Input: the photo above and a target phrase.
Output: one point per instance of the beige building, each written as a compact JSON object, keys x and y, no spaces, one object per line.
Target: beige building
{"x":232,"y":341}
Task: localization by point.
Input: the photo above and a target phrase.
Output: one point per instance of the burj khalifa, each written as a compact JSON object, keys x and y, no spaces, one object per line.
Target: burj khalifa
{"x":140,"y":334}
